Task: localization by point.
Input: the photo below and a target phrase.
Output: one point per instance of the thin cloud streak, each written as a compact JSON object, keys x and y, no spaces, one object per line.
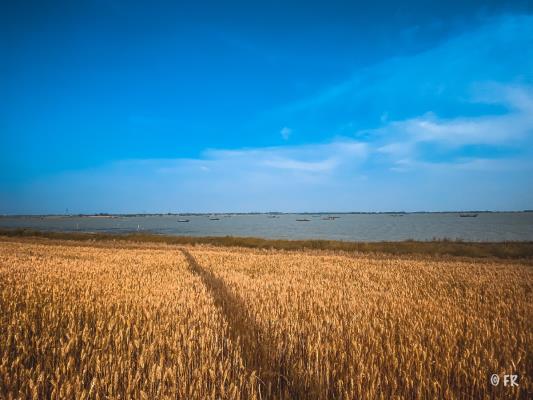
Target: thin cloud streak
{"x":408,"y":76}
{"x":401,"y":140}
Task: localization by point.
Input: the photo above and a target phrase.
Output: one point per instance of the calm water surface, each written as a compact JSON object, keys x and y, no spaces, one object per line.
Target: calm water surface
{"x":351,"y":227}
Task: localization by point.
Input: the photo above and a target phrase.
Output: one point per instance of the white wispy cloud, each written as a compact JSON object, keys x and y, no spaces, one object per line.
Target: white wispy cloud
{"x":309,"y":158}
{"x":514,"y":128}
{"x":285,"y":133}
{"x":487,"y":52}
{"x":465,"y":164}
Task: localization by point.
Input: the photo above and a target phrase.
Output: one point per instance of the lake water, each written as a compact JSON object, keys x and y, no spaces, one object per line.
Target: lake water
{"x":350,"y":227}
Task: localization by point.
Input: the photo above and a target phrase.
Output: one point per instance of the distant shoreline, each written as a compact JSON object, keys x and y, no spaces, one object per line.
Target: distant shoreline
{"x":503,"y":250}
{"x":174,"y":214}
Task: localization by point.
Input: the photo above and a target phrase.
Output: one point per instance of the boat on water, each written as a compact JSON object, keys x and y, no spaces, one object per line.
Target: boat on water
{"x":329,"y":218}
{"x":183,"y":220}
{"x":214,"y":219}
{"x":468,"y":215}
{"x":303,"y":220}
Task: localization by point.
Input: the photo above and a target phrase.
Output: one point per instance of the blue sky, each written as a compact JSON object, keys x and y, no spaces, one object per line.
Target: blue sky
{"x":115,"y":106}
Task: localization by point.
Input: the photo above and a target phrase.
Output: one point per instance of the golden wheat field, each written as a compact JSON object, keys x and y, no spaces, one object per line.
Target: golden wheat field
{"x":105,"y":320}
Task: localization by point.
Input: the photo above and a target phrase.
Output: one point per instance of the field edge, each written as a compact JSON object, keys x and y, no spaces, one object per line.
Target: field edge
{"x":501,"y":250}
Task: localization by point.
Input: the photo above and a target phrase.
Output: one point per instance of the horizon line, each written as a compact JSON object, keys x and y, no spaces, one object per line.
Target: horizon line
{"x":257,"y":213}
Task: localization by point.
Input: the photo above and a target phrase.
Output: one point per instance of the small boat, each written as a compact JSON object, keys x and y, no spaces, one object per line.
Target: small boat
{"x":303,"y":220}
{"x":183,"y":220}
{"x":329,"y":218}
{"x":214,"y":219}
{"x":468,"y":215}
{"x":272,"y":216}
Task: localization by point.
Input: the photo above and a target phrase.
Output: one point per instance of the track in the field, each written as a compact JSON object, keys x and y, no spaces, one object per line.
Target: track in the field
{"x":256,"y":347}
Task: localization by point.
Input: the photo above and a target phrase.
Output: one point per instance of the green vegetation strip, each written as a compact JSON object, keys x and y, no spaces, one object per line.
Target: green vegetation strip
{"x":506,"y":250}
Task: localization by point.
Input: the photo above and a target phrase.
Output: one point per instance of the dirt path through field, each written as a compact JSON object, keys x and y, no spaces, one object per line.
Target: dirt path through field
{"x":253,"y":341}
